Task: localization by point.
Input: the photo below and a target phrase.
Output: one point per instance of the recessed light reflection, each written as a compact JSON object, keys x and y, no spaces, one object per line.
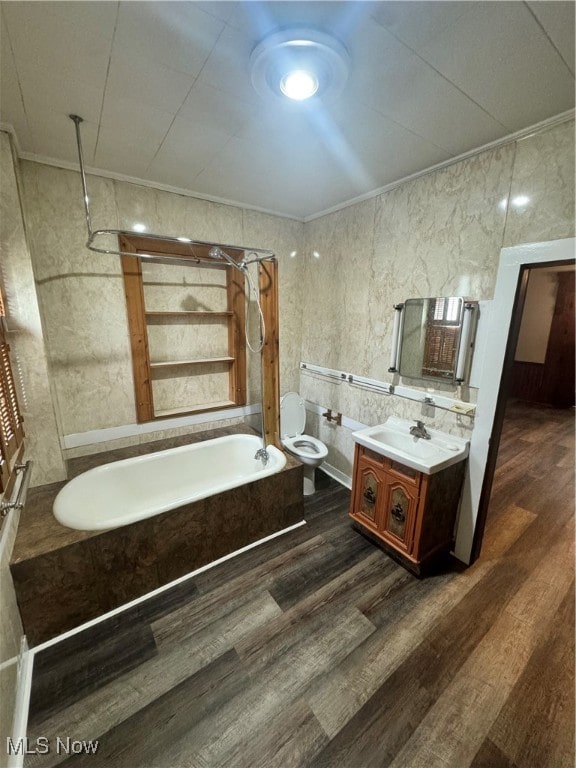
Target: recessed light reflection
{"x":316,"y":254}
{"x":520,"y":201}
{"x":139,"y":228}
{"x":184,"y":239}
{"x":503,"y":203}
{"x":293,"y":254}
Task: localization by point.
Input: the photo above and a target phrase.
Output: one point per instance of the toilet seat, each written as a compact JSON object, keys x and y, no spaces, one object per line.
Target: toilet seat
{"x":292,"y":423}
{"x":306,"y":445}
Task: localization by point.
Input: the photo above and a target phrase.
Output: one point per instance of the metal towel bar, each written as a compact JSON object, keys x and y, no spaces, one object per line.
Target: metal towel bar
{"x":20,"y":499}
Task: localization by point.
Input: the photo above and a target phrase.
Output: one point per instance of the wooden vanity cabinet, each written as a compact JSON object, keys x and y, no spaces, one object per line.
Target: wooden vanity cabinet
{"x":409,"y":513}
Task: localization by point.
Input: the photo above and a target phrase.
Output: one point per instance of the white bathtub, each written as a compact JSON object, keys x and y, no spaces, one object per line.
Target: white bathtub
{"x":126,"y":491}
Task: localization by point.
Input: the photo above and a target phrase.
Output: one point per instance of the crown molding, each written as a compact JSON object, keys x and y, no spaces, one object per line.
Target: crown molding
{"x":524,"y":133}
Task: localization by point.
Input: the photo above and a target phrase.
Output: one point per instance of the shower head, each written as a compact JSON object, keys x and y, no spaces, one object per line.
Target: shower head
{"x":217,"y":253}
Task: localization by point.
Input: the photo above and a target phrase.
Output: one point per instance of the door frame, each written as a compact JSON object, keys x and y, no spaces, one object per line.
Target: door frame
{"x":501,"y":336}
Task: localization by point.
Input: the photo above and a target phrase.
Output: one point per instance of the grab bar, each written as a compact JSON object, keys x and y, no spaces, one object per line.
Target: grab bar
{"x":371,"y":384}
{"x":20,"y":500}
{"x":329,"y":373}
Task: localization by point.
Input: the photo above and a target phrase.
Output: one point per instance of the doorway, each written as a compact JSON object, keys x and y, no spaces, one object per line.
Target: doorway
{"x":537,"y":432}
{"x":502,"y":331}
{"x":543,"y":365}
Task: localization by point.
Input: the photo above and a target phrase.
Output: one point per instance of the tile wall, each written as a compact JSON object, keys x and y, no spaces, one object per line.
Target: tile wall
{"x":28,"y":351}
{"x":438,"y":235}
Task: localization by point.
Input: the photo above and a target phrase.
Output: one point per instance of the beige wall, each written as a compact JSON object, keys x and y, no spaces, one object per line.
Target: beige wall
{"x":30,"y":370}
{"x":537,"y":316}
{"x":81,"y":293}
{"x":438,"y":235}
{"x":25,"y":329}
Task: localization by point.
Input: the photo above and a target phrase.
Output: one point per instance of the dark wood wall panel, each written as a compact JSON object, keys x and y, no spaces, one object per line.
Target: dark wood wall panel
{"x":559,"y":380}
{"x":527,"y":381}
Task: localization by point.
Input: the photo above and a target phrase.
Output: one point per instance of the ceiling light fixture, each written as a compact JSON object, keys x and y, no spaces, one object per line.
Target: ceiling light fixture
{"x":299,"y":85}
{"x":299,"y":64}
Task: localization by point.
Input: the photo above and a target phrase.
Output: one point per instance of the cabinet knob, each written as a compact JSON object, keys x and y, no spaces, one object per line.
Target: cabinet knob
{"x":370,"y":496}
{"x":398,"y":513}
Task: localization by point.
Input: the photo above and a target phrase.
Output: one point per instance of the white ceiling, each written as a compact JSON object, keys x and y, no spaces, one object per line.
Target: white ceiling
{"x":165,"y":91}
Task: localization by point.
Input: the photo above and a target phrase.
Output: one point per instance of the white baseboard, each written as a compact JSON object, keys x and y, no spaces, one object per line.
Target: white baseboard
{"x":79,"y":439}
{"x":337,"y":475}
{"x":21,"y":703}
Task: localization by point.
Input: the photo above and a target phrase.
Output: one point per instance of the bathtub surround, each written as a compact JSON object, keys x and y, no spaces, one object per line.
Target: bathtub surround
{"x":101,"y":570}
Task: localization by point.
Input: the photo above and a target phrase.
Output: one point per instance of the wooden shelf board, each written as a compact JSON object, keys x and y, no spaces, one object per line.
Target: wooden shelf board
{"x":189,"y":313}
{"x":198,"y":361}
{"x":197,"y":409}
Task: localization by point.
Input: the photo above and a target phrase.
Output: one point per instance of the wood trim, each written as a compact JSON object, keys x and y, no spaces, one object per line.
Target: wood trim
{"x":199,"y":361}
{"x":270,"y":356}
{"x":139,"y":318}
{"x":236,"y":335}
{"x":134,"y":292}
{"x":188,"y":313}
{"x":180,"y":250}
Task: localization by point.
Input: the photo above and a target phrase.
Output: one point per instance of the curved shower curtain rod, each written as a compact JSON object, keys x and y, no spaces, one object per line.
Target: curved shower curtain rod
{"x":252,"y":255}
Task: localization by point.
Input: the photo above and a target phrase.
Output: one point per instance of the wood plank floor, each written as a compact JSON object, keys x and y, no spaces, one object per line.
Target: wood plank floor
{"x":317,"y":649}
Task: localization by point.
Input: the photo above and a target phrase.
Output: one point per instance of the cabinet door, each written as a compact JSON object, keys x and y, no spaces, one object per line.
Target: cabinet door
{"x":399,"y":513}
{"x":368,"y":495}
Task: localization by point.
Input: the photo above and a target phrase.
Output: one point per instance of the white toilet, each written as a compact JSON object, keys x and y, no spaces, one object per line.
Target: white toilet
{"x":309,"y":450}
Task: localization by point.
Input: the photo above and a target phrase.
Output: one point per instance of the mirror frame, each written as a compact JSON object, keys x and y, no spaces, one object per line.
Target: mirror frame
{"x":465,"y":323}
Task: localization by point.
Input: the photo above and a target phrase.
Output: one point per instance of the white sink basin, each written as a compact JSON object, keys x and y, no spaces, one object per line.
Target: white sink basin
{"x":393,"y":439}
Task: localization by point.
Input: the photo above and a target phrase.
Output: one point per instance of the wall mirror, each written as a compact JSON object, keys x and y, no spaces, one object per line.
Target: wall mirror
{"x":432,"y":338}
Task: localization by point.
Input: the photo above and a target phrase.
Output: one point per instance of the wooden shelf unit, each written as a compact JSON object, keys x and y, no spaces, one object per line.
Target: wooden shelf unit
{"x":139,"y":317}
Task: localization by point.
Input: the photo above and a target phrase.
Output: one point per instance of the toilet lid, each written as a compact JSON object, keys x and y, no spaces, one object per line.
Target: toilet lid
{"x":292,"y":415}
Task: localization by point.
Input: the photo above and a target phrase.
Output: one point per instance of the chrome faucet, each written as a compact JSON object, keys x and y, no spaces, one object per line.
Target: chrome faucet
{"x":420,"y":431}
{"x":263,"y":454}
